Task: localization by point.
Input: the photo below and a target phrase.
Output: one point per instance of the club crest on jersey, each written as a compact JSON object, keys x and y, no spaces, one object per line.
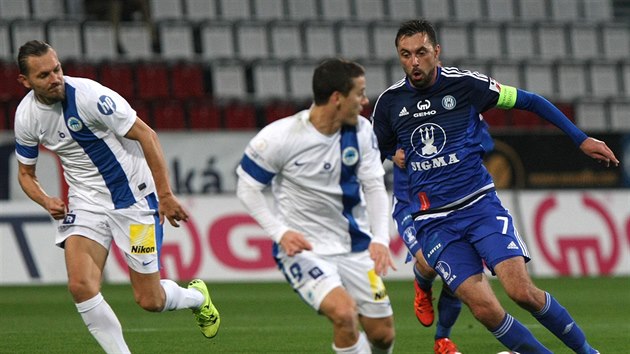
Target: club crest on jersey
{"x":428,"y":140}
{"x":350,"y":156}
{"x":74,"y":124}
{"x":449,"y":102}
{"x":106,"y":105}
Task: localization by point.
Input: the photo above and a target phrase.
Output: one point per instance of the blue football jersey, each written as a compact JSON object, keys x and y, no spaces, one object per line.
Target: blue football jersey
{"x":442,"y":134}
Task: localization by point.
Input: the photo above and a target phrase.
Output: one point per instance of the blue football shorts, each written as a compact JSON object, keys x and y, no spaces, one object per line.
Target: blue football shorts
{"x":401,"y":213}
{"x":458,"y":244}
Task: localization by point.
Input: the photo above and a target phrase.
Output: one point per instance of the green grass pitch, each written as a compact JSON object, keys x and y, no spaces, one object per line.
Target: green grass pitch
{"x":270,"y":318}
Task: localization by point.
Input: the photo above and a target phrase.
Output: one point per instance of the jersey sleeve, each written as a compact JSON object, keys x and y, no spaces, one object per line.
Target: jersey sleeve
{"x":485,"y":92}
{"x":26,"y":140}
{"x":385,"y":136}
{"x":370,"y":165}
{"x":262,"y":159}
{"x":110,"y":109}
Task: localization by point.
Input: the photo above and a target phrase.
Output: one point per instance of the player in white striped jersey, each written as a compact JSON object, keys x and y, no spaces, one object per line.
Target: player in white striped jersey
{"x":330,"y":223}
{"x":115,"y":169}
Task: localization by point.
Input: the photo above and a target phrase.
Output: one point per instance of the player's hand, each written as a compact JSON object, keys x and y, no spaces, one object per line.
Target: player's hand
{"x":381,"y":257}
{"x":55,"y":207}
{"x":294,"y":242}
{"x":172,"y":210}
{"x":399,"y":158}
{"x":598,"y":150}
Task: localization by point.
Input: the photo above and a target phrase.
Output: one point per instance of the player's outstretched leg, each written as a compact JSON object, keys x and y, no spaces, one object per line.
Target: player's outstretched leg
{"x":423,"y":301}
{"x":207,"y":316}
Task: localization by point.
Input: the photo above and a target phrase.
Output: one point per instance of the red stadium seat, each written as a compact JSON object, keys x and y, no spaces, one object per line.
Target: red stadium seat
{"x":118,"y":76}
{"x":240,"y":116}
{"x":143,"y":110}
{"x":4,"y":116}
{"x":12,"y":107}
{"x":80,"y":69}
{"x":168,"y":115}
{"x":152,"y":80}
{"x":187,"y":80}
{"x":496,"y":118}
{"x":203,"y":114}
{"x":275,"y":110}
{"x":10,"y":87}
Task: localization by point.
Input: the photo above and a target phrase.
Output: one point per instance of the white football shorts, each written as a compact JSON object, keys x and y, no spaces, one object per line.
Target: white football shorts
{"x":136,"y":231}
{"x":314,"y":276}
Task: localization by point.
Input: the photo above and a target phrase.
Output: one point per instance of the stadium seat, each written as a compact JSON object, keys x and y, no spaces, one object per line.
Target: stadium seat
{"x":455,"y":40}
{"x":472,"y":65}
{"x":5,"y":42}
{"x":100,"y":40}
{"x":598,"y":10}
{"x":395,"y":71}
{"x":552,"y":43}
{"x":320,"y":39}
{"x":300,"y":76}
{"x":591,"y":115}
{"x":383,"y":36}
{"x":372,"y":10}
{"x":377,"y":77}
{"x":203,"y":114}
{"x":217,"y":40}
{"x":201,"y":10}
{"x":269,"y":80}
{"x":285,"y":39}
{"x":334,"y":10}
{"x":168,"y":115}
{"x":135,"y":41}
{"x":79,"y":68}
{"x":615,"y":40}
{"x":234,"y":10}
{"x":533,"y":10}
{"x":176,"y":40}
{"x":619,"y":109}
{"x":565,"y":10}
{"x":584,"y":41}
{"x":65,"y":37}
{"x":239,"y":115}
{"x":538,"y":77}
{"x":10,"y":89}
{"x":152,"y":80}
{"x":301,"y":10}
{"x":401,"y":10}
{"x":604,"y":77}
{"x":12,"y":107}
{"x":276,"y":109}
{"x":228,"y":79}
{"x":487,"y":41}
{"x":118,"y":76}
{"x":501,"y":10}
{"x":23,"y":31}
{"x":251,"y":39}
{"x":520,"y":42}
{"x":268,"y":10}
{"x":166,"y":10}
{"x":436,"y":10}
{"x":13,"y":10}
{"x":496,"y":118}
{"x":468,"y":10}
{"x":4,"y":116}
{"x":187,"y":80}
{"x":506,"y":72}
{"x":625,"y":76}
{"x":571,"y":80}
{"x":143,"y":110}
{"x":47,"y":9}
{"x":353,"y":39}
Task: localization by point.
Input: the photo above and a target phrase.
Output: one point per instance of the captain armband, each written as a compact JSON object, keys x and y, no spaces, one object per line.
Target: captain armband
{"x":507,"y":97}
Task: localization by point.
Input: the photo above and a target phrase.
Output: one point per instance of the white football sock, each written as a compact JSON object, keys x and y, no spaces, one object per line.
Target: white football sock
{"x":180,"y":298}
{"x":362,"y":346}
{"x":101,"y":321}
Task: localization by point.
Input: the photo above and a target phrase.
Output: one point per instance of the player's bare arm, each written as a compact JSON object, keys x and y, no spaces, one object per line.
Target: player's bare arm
{"x":169,"y":205}
{"x":294,"y":242}
{"x":29,"y":183}
{"x":598,"y":150}
{"x":382,"y":258}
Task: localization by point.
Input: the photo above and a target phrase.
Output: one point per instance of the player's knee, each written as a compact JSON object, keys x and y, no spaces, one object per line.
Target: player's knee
{"x":527,"y":297}
{"x":383,"y":337}
{"x":82,"y":289}
{"x":344,"y":317}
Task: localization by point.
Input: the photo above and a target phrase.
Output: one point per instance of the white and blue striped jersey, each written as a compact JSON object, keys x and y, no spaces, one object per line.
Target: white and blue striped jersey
{"x":316,"y":179}
{"x":442,"y":135}
{"x":86,"y":131}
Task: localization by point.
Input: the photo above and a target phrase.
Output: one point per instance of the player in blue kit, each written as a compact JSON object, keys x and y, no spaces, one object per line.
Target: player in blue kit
{"x":329,"y":219}
{"x":115,"y":170}
{"x":433,"y":115}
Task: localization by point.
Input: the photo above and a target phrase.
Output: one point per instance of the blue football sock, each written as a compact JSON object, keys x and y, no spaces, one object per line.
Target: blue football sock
{"x":424,"y":283}
{"x":518,"y":338}
{"x":449,"y":307}
{"x":559,"y":322}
